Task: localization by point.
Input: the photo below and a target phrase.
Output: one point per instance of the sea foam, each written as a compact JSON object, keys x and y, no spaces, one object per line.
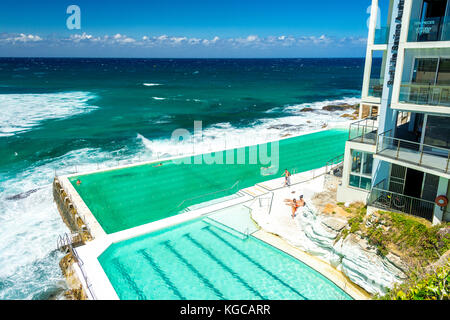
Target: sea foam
{"x":30,"y":226}
{"x":222,"y":136}
{"x":21,"y":112}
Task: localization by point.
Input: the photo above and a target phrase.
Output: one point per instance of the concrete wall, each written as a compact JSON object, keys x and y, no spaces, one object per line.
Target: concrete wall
{"x":346,"y":193}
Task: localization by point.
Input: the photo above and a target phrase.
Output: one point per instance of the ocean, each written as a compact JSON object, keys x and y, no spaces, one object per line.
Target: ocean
{"x":61,"y":115}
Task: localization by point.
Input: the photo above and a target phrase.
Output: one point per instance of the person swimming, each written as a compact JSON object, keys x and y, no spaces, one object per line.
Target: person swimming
{"x":159,"y":165}
{"x":78,"y":182}
{"x":268,"y":171}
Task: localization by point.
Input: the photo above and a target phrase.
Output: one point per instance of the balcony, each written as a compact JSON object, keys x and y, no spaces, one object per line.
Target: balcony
{"x":381,"y":198}
{"x":429,"y":29}
{"x":410,"y":152}
{"x":364,"y":131}
{"x":425,"y":94}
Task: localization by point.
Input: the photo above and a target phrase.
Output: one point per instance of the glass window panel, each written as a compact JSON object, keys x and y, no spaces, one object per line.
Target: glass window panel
{"x":444,"y":72}
{"x":430,"y":187}
{"x":437,"y":132}
{"x":354,"y":181}
{"x":368,"y":163}
{"x":356,"y":161}
{"x":425,"y":70}
{"x":366,"y":183}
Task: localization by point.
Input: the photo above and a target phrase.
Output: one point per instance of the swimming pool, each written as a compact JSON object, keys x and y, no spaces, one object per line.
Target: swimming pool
{"x":129,"y":197}
{"x":204,"y":260}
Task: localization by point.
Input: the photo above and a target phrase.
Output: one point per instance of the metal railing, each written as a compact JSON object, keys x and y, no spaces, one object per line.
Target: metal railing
{"x":64,"y":243}
{"x":245,"y":233}
{"x":382,"y":198}
{"x":364,"y":131}
{"x":334,"y":164}
{"x":413,"y":152}
{"x":189,"y":200}
{"x":425,"y":94}
{"x":269,"y":205}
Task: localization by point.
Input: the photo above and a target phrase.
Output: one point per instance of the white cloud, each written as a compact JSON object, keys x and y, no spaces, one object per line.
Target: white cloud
{"x":21,"y":38}
{"x":165,"y":41}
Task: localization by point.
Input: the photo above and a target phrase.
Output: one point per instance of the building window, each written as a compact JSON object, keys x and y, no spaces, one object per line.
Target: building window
{"x":437,"y":134}
{"x":429,"y":21}
{"x":426,"y":77}
{"x":361,"y":172}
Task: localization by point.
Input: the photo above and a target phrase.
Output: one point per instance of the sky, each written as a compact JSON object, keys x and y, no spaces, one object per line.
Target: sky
{"x":184,"y":28}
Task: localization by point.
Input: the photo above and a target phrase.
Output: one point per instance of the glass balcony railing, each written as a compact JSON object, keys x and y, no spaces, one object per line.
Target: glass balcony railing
{"x":364,"y":131}
{"x":425,"y":94}
{"x":381,"y":35}
{"x":375,"y":88}
{"x":424,"y":155}
{"x":430,"y":29}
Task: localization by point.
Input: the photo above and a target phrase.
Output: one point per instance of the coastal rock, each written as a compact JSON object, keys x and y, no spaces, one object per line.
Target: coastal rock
{"x":23,"y":195}
{"x":365,"y":267}
{"x":334,"y":223}
{"x":340,"y":107}
{"x":281,"y":126}
{"x":397,"y":262}
{"x":349,"y":116}
{"x":443,"y":260}
{"x":307,"y":110}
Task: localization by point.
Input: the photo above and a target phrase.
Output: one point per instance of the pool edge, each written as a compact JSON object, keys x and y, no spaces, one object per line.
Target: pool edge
{"x":325,"y":269}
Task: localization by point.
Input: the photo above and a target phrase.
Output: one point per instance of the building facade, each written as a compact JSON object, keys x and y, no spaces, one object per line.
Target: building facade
{"x":398,"y":154}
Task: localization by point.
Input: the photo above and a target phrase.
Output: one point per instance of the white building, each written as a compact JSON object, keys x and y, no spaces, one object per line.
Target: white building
{"x":398,"y":154}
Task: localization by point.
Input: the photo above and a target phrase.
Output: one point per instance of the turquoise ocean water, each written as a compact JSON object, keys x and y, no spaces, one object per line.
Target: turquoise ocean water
{"x":61,"y":115}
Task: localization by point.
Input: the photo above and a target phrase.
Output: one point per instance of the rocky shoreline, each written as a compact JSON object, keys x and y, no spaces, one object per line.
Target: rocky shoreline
{"x":339,"y":107}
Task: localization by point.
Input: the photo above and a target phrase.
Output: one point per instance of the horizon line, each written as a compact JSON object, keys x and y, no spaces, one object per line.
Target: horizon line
{"x":173,"y":58}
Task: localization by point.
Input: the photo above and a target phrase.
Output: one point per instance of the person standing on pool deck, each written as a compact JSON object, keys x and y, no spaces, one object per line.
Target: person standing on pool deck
{"x":287,"y":179}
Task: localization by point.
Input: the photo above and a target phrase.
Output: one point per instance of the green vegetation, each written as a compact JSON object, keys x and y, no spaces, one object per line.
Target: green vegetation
{"x":432,"y":286}
{"x":415,"y":241}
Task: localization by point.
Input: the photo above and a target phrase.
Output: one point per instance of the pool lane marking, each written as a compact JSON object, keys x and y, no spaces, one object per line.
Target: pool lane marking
{"x":254,"y":262}
{"x":127,"y":277}
{"x":161,"y":273}
{"x":193,"y":269}
{"x":229,"y":270}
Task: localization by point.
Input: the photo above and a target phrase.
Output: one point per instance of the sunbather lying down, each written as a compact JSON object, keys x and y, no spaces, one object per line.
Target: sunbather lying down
{"x":294,"y":204}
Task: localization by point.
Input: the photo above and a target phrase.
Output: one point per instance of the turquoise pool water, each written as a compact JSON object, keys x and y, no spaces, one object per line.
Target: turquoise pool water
{"x":202,"y":260}
{"x":129,"y":197}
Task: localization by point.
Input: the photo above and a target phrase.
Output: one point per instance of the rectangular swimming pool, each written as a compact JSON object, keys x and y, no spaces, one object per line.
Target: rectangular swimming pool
{"x":202,"y":260}
{"x":129,"y":197}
